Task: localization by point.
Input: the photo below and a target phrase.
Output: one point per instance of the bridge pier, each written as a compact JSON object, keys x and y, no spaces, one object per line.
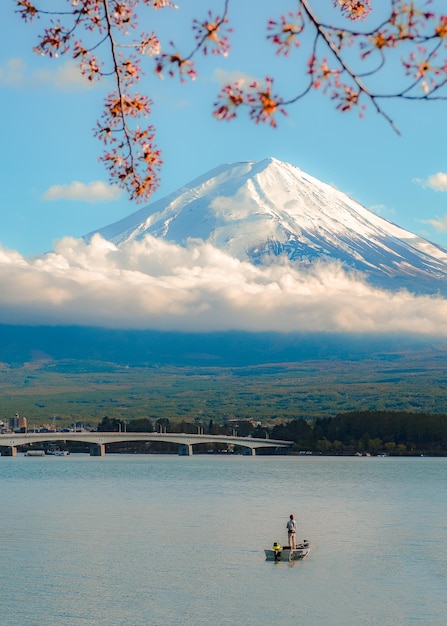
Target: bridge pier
{"x":249,"y":452}
{"x":97,"y":449}
{"x":185,"y":449}
{"x":10,"y":451}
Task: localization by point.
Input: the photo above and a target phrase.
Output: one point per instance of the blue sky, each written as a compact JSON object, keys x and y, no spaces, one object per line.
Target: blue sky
{"x":49,"y":153}
{"x":47,"y":138}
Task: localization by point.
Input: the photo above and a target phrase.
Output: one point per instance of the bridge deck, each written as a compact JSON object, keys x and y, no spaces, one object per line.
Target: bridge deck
{"x":13,"y":440}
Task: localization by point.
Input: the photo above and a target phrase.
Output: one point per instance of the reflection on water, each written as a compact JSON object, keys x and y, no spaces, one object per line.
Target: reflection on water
{"x":138,"y":540}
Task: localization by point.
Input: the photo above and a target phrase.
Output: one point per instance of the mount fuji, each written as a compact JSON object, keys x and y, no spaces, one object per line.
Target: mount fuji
{"x":259,"y":211}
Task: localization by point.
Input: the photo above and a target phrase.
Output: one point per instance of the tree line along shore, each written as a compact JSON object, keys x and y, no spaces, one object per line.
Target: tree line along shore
{"x":392,"y":433}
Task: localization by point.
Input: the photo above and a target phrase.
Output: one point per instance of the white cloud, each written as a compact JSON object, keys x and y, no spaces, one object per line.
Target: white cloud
{"x":66,"y":77}
{"x":224,"y":77}
{"x":438,"y":224}
{"x":96,"y":191}
{"x":62,"y":76}
{"x":159,"y":285}
{"x":381,"y":209}
{"x":438,"y":181}
{"x":13,"y":73}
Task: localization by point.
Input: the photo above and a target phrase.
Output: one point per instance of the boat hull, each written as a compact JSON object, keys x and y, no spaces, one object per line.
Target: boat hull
{"x":286,"y":554}
{"x":57,"y":452}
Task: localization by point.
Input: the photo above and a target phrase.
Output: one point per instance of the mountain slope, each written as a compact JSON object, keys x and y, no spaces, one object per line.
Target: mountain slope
{"x":256,"y":211}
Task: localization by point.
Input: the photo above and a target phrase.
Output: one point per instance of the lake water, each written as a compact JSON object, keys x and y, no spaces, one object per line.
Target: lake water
{"x":146,"y":540}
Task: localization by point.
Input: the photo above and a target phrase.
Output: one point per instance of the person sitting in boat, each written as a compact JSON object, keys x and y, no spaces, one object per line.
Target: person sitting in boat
{"x":277,"y":550}
{"x":291,"y":531}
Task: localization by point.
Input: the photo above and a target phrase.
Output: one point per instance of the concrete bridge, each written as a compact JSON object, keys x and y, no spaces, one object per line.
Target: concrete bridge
{"x":98,"y":440}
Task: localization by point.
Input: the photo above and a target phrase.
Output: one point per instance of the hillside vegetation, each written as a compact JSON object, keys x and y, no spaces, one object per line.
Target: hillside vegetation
{"x":86,"y":391}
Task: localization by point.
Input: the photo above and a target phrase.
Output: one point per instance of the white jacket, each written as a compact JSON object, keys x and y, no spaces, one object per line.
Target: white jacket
{"x":291,"y":526}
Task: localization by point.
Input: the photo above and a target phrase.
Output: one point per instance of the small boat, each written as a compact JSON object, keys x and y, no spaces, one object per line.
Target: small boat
{"x":286,"y":553}
{"x":52,"y":451}
{"x":35,"y":453}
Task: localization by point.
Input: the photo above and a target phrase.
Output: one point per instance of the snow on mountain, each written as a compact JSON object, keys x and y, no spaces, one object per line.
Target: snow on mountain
{"x":257,"y":211}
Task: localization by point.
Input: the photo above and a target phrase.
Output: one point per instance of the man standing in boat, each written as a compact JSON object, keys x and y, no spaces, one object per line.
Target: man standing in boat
{"x":291,"y":531}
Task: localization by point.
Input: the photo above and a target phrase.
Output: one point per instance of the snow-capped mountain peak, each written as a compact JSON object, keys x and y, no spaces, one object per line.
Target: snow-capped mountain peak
{"x":258,"y":210}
